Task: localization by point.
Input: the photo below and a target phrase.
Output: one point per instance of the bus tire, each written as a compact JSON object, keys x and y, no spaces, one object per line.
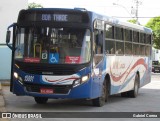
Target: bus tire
{"x":40,"y":100}
{"x":100,"y":101}
{"x":133,"y":93}
{"x":124,"y":94}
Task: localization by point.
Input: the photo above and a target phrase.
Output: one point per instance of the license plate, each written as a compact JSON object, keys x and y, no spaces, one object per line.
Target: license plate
{"x":46,"y":91}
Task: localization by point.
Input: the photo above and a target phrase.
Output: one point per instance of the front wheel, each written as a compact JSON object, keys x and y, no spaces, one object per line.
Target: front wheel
{"x":41,"y":100}
{"x":100,"y":101}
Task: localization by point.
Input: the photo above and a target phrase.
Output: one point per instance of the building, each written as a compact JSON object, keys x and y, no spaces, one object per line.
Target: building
{"x":9,"y":12}
{"x":155,"y":54}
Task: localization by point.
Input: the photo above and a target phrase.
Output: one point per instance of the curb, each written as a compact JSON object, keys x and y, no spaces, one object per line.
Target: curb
{"x":2,"y":102}
{"x":5,"y":82}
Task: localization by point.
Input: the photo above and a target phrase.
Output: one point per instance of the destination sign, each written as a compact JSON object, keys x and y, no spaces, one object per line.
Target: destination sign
{"x":55,"y":17}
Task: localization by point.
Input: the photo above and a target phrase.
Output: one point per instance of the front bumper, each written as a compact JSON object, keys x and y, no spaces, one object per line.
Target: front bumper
{"x":60,"y":91}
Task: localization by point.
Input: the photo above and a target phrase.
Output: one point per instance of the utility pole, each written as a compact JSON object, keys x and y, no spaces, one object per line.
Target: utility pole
{"x":137,"y":3}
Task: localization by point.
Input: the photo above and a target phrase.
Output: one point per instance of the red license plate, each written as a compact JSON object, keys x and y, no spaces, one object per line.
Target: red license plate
{"x":46,"y":91}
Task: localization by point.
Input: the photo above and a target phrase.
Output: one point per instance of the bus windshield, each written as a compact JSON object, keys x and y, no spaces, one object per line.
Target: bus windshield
{"x":53,"y":45}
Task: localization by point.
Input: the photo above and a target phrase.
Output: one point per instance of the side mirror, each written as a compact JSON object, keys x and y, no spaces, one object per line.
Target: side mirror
{"x":8,"y":35}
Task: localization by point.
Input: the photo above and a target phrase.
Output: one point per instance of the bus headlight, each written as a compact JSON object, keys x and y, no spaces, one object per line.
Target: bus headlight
{"x":81,"y":80}
{"x":15,"y":75}
{"x":85,"y":78}
{"x":20,"y":80}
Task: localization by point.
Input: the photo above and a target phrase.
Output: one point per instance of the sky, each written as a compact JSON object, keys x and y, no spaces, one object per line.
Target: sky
{"x":122,"y":9}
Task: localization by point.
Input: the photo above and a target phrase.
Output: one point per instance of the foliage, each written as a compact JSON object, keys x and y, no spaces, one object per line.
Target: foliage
{"x":154,"y":24}
{"x":134,"y":21}
{"x":34,"y":5}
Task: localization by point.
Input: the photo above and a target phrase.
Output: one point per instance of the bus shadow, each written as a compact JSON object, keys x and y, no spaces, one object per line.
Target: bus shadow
{"x":86,"y":105}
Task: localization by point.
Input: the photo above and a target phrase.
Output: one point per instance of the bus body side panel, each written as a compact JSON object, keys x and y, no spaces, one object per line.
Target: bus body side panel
{"x":123,"y":69}
{"x":98,"y":77}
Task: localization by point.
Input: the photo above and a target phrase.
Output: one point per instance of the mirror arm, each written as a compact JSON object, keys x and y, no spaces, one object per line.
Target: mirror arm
{"x":11,"y":26}
{"x":9,"y":46}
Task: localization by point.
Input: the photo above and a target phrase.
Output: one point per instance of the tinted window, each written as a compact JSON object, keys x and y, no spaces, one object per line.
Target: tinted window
{"x":142,"y":38}
{"x":148,"y":50}
{"x":135,"y":36}
{"x":136,"y":49}
{"x":110,"y":47}
{"x":109,"y":31}
{"x":142,"y":49}
{"x":128,"y":35}
{"x":148,"y":39}
{"x":119,"y":33}
{"x":128,"y":48}
{"x":119,"y":48}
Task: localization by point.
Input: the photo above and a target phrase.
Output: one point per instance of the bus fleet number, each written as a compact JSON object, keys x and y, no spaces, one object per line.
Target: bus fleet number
{"x":28,"y":78}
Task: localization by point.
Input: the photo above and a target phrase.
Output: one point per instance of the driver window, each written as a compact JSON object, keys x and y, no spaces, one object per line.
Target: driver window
{"x":98,"y":46}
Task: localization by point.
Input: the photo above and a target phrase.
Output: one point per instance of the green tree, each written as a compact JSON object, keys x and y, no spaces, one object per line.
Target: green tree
{"x":34,"y":5}
{"x":154,"y":24}
{"x":132,"y":21}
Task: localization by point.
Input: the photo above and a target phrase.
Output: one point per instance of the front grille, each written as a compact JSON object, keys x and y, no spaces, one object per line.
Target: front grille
{"x":57,"y":89}
{"x":53,"y":69}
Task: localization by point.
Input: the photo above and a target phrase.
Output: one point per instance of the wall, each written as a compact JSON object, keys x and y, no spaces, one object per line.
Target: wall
{"x":8,"y":13}
{"x":155,"y":54}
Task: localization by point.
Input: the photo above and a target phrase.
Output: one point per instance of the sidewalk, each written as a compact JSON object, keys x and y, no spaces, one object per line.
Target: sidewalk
{"x":2,"y":102}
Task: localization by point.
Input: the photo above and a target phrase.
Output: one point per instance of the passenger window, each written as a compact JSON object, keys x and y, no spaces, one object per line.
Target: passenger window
{"x":148,"y":50}
{"x":119,"y":33}
{"x":142,"y":38}
{"x":119,"y":48}
{"x":136,"y":49}
{"x":110,"y":47}
{"x":148,"y":39}
{"x":128,"y":35}
{"x":135,"y":36}
{"x":128,"y":48}
{"x":109,"y":31}
{"x":142,"y":49}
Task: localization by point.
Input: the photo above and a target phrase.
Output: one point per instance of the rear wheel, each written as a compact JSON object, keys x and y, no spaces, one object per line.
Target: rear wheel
{"x":133,"y":93}
{"x":41,"y":100}
{"x":100,"y":101}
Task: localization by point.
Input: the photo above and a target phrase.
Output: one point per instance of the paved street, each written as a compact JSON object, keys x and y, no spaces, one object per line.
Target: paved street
{"x":147,"y":101}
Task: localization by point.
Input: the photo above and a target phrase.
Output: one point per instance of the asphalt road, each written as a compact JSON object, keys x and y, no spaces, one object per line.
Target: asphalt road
{"x":148,"y":100}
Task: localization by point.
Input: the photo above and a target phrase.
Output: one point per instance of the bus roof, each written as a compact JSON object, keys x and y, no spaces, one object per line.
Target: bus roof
{"x":107,"y":19}
{"x":117,"y":22}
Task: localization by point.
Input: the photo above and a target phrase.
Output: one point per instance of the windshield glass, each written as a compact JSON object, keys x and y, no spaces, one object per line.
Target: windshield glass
{"x":53,"y":45}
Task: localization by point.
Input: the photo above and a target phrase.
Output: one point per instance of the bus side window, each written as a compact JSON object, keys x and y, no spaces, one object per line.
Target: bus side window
{"x":98,"y":47}
{"x":110,"y":46}
{"x":98,"y":42}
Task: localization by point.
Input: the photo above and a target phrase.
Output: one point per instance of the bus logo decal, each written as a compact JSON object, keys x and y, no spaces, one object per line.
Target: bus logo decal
{"x":60,"y":79}
{"x":138,"y":62}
